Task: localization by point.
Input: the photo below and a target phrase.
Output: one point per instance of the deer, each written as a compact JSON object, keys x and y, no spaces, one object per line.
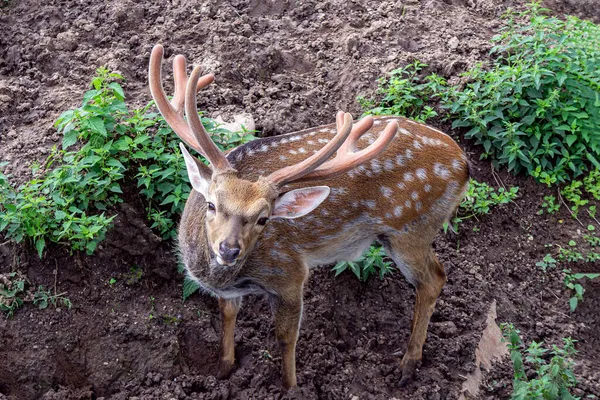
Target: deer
{"x":265,"y":213}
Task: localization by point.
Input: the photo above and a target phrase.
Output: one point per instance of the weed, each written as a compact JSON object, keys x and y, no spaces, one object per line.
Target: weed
{"x":547,"y":262}
{"x":536,"y":108}
{"x":553,"y":375}
{"x":370,"y":263}
{"x":570,"y":282}
{"x":479,"y":200}
{"x":550,"y":204}
{"x":14,"y":293}
{"x":402,"y":93}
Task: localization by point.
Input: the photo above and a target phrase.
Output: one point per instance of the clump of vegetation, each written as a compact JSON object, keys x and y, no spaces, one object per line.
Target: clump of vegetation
{"x":480,"y":199}
{"x":370,"y":263}
{"x":571,"y":282}
{"x":404,"y":93}
{"x":15,"y":292}
{"x":552,"y":368}
{"x":68,"y":201}
{"x":536,"y":108}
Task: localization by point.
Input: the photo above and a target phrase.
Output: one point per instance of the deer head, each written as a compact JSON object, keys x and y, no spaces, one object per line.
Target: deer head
{"x":236,"y":210}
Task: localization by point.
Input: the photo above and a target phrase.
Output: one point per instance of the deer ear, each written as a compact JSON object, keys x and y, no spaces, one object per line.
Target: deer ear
{"x":199,"y":174}
{"x":299,"y":202}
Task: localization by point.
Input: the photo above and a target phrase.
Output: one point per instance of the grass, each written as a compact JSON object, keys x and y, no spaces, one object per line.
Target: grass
{"x":15,"y":291}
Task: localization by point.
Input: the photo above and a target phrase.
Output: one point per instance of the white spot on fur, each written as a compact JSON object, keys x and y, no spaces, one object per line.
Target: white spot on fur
{"x":417,"y":145}
{"x":407,"y":203}
{"x":293,"y":151}
{"x":401,"y":185}
{"x":388,"y":165}
{"x":418,"y":206}
{"x":408,"y":154}
{"x":408,"y":176}
{"x":441,"y":171}
{"x":376,"y":166}
{"x":415,"y":196}
{"x":398,"y":211}
{"x":295,"y":138}
{"x":323,"y":140}
{"x":400,"y":160}
{"x":302,"y":150}
{"x":311,"y":142}
{"x":369,"y":204}
{"x":456,"y":165}
{"x":377,"y":122}
{"x":404,"y":132}
{"x":427,"y":188}
{"x":264,"y":148}
{"x":386,"y":191}
{"x":421,"y":173}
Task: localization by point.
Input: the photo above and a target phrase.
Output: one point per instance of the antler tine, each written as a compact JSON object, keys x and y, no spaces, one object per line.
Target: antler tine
{"x":209,"y":148}
{"x":293,"y":173}
{"x":172,"y":112}
{"x":347,"y":158}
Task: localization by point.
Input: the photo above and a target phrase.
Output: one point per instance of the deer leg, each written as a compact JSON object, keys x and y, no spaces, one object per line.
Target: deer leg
{"x":426,"y":273}
{"x":229,"y":309}
{"x":288,"y":312}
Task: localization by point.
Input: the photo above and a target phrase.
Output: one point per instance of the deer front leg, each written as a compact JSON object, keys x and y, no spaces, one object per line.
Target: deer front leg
{"x":229,"y":309}
{"x":288,"y":312}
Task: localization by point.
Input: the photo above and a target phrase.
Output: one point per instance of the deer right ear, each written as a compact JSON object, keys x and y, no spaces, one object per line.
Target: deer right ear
{"x":199,"y":174}
{"x":299,"y":202}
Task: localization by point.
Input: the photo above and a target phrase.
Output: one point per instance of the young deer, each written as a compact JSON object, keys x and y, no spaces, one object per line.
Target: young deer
{"x":240,"y":232}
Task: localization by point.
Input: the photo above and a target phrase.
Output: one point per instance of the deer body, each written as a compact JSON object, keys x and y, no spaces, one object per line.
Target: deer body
{"x":252,"y":224}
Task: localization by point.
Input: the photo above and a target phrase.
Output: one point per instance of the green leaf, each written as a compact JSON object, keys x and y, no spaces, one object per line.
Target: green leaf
{"x":573,"y":303}
{"x":117,"y":89}
{"x":96,"y":125}
{"x":39,"y":245}
{"x":189,"y":287}
{"x":70,"y":138}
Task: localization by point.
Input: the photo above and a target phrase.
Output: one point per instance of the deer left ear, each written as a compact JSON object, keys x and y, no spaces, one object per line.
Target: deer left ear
{"x":299,"y":202}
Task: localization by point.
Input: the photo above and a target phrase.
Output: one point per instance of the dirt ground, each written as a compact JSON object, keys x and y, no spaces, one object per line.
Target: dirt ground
{"x":291,"y":65}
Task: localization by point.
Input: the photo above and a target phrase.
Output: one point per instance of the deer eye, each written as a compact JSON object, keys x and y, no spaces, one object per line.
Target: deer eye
{"x":211,"y":206}
{"x":262,"y":221}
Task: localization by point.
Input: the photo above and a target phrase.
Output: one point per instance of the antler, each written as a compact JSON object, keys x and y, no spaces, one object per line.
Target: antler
{"x":194,"y":134}
{"x":346,"y":158}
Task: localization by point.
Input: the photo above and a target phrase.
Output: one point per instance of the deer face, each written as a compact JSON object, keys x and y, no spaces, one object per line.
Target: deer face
{"x":237,"y":210}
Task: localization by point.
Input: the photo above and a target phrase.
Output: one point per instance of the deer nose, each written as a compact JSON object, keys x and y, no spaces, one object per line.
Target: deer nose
{"x":227,"y":253}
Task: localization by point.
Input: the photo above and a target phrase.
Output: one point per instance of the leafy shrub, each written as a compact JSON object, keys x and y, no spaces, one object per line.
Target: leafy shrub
{"x":571,"y":282}
{"x":538,"y":107}
{"x":553,"y":369}
{"x":67,"y":203}
{"x":370,"y":263}
{"x":405,"y":93}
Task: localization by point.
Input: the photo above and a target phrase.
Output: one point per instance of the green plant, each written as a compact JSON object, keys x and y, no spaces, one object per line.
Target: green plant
{"x":405,"y":93}
{"x":553,"y":375}
{"x":479,"y":199}
{"x":537,"y":107}
{"x":547,"y":262}
{"x":370,"y":263}
{"x":550,"y":205}
{"x":42,"y":298}
{"x":67,"y":203}
{"x":14,"y":293}
{"x":570,"y":282}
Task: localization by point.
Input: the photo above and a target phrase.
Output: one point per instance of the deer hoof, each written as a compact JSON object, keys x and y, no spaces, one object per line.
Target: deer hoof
{"x":409,"y":368}
{"x":225,"y":369}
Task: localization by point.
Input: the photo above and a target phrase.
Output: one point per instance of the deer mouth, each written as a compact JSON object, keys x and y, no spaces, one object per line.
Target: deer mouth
{"x":224,"y":263}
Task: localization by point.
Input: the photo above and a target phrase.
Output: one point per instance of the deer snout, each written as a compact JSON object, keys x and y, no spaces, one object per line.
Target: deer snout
{"x":228,"y":252}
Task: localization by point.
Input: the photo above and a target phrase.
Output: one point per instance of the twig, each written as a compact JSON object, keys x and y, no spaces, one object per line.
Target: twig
{"x":55,"y":275}
{"x":572,"y":213}
{"x":500,"y":183}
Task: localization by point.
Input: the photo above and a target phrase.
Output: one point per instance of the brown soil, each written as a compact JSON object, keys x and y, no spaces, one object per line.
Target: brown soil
{"x":290,"y":64}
